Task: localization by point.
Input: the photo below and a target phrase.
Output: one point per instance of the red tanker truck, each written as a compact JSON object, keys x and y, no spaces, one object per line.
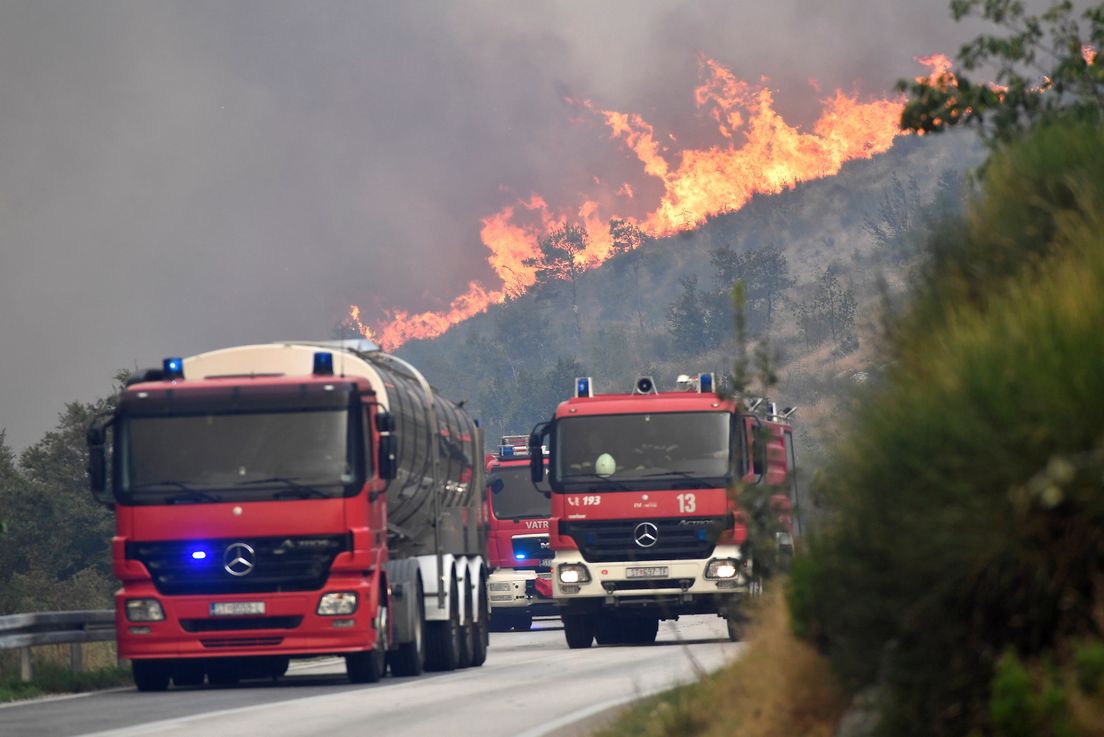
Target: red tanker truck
{"x":292,"y":500}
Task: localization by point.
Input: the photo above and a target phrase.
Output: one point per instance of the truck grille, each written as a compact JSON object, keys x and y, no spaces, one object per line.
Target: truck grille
{"x":240,"y":623}
{"x":278,"y":564}
{"x":675,"y":539}
{"x":532,"y":548}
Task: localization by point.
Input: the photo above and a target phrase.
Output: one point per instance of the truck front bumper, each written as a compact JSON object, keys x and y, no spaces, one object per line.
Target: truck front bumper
{"x":514,"y":590}
{"x":289,"y":625}
{"x":674,"y":586}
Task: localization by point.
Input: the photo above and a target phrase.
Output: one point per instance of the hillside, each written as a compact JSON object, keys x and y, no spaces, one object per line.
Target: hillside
{"x":514,"y":363}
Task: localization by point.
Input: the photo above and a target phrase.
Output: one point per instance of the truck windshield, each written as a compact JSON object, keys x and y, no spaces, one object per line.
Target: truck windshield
{"x":514,"y":496}
{"x":643,"y":451}
{"x":241,"y":456}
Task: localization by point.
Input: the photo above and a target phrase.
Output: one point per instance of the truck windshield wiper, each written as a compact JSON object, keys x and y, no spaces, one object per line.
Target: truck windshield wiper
{"x":190,"y":495}
{"x":613,"y":485}
{"x":698,"y":481}
{"x":294,"y":488}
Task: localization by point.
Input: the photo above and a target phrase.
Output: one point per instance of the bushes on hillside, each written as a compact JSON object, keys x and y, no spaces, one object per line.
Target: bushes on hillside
{"x":967,"y":490}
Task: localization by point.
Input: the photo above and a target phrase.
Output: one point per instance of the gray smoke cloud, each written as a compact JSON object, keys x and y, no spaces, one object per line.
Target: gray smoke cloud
{"x":176,"y":177}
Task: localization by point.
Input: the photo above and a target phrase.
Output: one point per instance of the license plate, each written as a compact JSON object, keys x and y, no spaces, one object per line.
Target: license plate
{"x":236,"y":608}
{"x":646,"y":572}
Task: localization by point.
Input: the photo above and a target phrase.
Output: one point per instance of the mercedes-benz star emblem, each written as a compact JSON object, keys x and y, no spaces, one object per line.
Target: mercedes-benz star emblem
{"x":239,"y":559}
{"x":646,"y":534}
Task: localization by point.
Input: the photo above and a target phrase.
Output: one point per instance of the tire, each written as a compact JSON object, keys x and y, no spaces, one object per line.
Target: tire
{"x":368,"y":667}
{"x":500,"y":622}
{"x":579,"y":630}
{"x":189,"y":672}
{"x":641,"y":630}
{"x":409,"y":658}
{"x":735,"y":625}
{"x":523,"y":622}
{"x":608,"y":630}
{"x":223,"y":673}
{"x":151,"y":675}
{"x":443,"y":639}
{"x":482,"y":636}
{"x":365,"y":667}
{"x":278,"y":667}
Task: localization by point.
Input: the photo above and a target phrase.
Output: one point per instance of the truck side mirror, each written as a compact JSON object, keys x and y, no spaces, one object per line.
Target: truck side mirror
{"x":536,"y":452}
{"x":385,"y":421}
{"x":96,"y":439}
{"x":387,"y":464}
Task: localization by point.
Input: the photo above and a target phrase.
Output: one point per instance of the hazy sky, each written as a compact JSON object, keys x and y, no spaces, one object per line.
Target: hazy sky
{"x":181,"y":176}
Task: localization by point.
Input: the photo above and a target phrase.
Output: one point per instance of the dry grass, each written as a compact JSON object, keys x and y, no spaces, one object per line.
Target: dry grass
{"x":779,"y":688}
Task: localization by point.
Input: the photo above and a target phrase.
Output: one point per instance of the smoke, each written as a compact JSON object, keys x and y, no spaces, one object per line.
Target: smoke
{"x":176,"y":177}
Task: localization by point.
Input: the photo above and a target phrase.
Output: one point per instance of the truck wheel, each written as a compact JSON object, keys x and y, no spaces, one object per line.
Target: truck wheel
{"x":482,"y":637}
{"x":189,"y":672}
{"x":223,"y":673}
{"x":579,"y":630}
{"x":410,"y":657}
{"x":608,"y":630}
{"x":523,"y":622}
{"x":735,"y":627}
{"x":443,"y":639}
{"x":641,"y":630}
{"x":467,"y":640}
{"x":500,"y":621}
{"x":150,"y":675}
{"x":367,"y":667}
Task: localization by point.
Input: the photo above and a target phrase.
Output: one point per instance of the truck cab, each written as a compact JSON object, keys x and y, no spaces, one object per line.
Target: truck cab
{"x":518,"y":512}
{"x":646,"y":523}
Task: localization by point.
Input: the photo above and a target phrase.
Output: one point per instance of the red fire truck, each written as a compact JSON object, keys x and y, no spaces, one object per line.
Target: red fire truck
{"x":643,"y":526}
{"x":292,"y":500}
{"x":517,"y":510}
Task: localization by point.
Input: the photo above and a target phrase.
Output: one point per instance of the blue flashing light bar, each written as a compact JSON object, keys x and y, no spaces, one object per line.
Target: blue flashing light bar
{"x":705,"y":383}
{"x":323,"y":363}
{"x":199,"y":555}
{"x":519,"y":556}
{"x":173,"y":368}
{"x":582,"y":387}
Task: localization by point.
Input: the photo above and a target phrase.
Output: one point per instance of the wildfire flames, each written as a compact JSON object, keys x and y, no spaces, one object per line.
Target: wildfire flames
{"x":759,"y":153}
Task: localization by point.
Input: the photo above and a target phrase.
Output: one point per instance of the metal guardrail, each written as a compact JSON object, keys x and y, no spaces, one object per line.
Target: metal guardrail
{"x":25,"y":631}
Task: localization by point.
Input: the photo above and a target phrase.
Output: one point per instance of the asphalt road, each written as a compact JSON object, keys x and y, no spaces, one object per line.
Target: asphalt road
{"x":531,"y":685}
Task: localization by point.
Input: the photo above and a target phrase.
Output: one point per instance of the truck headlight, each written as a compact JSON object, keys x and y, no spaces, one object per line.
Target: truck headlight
{"x":573,"y":573}
{"x":144,"y":610}
{"x":721,"y":568}
{"x":502,"y":586}
{"x":337,"y":602}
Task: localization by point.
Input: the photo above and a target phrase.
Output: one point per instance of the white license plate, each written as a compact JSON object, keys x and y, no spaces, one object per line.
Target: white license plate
{"x":646,"y":572}
{"x":236,"y":608}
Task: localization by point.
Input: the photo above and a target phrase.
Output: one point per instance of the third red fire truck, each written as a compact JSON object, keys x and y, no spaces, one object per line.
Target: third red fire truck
{"x":518,"y":509}
{"x":644,"y":523}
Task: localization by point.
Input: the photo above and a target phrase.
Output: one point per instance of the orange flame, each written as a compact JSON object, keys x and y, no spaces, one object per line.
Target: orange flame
{"x":760,"y":154}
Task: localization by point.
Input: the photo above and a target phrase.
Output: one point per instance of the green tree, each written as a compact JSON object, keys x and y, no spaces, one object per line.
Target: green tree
{"x":557,"y":262}
{"x":626,"y":240}
{"x":689,"y":319}
{"x":829,"y":313}
{"x":1044,"y":68}
{"x":765,"y":274}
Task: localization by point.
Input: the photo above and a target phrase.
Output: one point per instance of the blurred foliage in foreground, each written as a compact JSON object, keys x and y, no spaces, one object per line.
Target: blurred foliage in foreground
{"x":963,"y":576}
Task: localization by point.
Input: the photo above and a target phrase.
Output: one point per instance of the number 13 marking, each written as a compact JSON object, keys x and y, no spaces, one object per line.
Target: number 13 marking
{"x":687,"y":503}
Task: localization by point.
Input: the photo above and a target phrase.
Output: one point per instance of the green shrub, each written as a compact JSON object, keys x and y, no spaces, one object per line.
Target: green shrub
{"x":1088,"y":661}
{"x":966,"y":487}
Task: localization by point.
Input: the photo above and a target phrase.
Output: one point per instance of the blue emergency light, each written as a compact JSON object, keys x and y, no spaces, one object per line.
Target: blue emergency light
{"x":582,"y":386}
{"x":199,"y":555}
{"x":705,"y":383}
{"x":323,"y":363}
{"x":506,"y":451}
{"x":519,"y":556}
{"x":173,"y":368}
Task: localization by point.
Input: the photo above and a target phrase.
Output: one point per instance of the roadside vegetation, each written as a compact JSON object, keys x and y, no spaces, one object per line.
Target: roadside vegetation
{"x":957,"y":585}
{"x":52,"y":674}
